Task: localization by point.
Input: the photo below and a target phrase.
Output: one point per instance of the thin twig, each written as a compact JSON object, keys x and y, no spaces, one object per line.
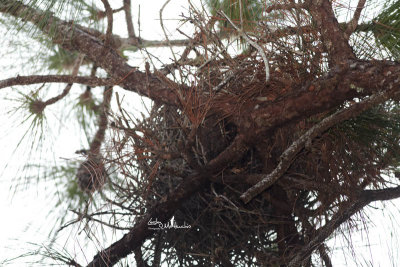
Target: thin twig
{"x":163,"y":28}
{"x":241,"y":14}
{"x":215,"y":55}
{"x":324,"y":255}
{"x":229,"y":77}
{"x":66,"y":90}
{"x":252,"y":43}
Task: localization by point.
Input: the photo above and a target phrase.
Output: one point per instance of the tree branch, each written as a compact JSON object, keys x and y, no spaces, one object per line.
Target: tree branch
{"x":352,"y":25}
{"x":70,"y":79}
{"x":66,"y":90}
{"x":324,"y":255}
{"x":128,"y":18}
{"x":76,"y":38}
{"x":139,"y":258}
{"x":333,"y":37}
{"x":91,"y":173}
{"x":109,"y":14}
{"x":361,"y":78}
{"x":252,"y":43}
{"x":290,"y":153}
{"x":163,"y":28}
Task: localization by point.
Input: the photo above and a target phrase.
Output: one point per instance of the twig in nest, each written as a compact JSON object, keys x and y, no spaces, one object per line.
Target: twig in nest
{"x":252,"y":43}
{"x":163,"y":28}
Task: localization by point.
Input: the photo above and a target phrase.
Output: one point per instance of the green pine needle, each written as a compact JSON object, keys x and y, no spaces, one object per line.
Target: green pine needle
{"x":386,"y":28}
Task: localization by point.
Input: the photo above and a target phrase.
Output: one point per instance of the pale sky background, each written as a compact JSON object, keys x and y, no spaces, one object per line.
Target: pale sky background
{"x":24,"y":211}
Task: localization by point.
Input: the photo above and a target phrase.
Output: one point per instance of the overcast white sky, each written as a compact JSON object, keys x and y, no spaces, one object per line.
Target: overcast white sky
{"x":24,"y":212}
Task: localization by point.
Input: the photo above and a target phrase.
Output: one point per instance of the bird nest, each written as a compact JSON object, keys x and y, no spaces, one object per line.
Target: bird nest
{"x":162,"y":150}
{"x":329,"y":171}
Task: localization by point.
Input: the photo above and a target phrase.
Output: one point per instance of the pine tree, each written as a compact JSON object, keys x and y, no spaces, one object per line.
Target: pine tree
{"x":272,"y":126}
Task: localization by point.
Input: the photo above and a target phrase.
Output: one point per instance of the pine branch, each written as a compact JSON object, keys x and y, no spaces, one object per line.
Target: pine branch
{"x":352,"y":25}
{"x":128,"y":18}
{"x":290,"y":153}
{"x":336,"y":44}
{"x":66,"y":90}
{"x":91,"y":173}
{"x":352,"y":78}
{"x":72,"y":37}
{"x":69,"y":79}
{"x":109,"y":14}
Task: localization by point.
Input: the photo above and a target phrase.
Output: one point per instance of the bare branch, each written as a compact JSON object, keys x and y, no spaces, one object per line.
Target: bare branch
{"x":103,"y":121}
{"x":140,"y":262}
{"x":128,"y":18}
{"x":70,"y":79}
{"x":252,"y":43}
{"x":274,"y":33}
{"x":66,"y":90}
{"x":352,"y":25}
{"x":163,"y":28}
{"x":102,"y":14}
{"x":91,"y":173}
{"x":324,"y":255}
{"x":109,"y":13}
